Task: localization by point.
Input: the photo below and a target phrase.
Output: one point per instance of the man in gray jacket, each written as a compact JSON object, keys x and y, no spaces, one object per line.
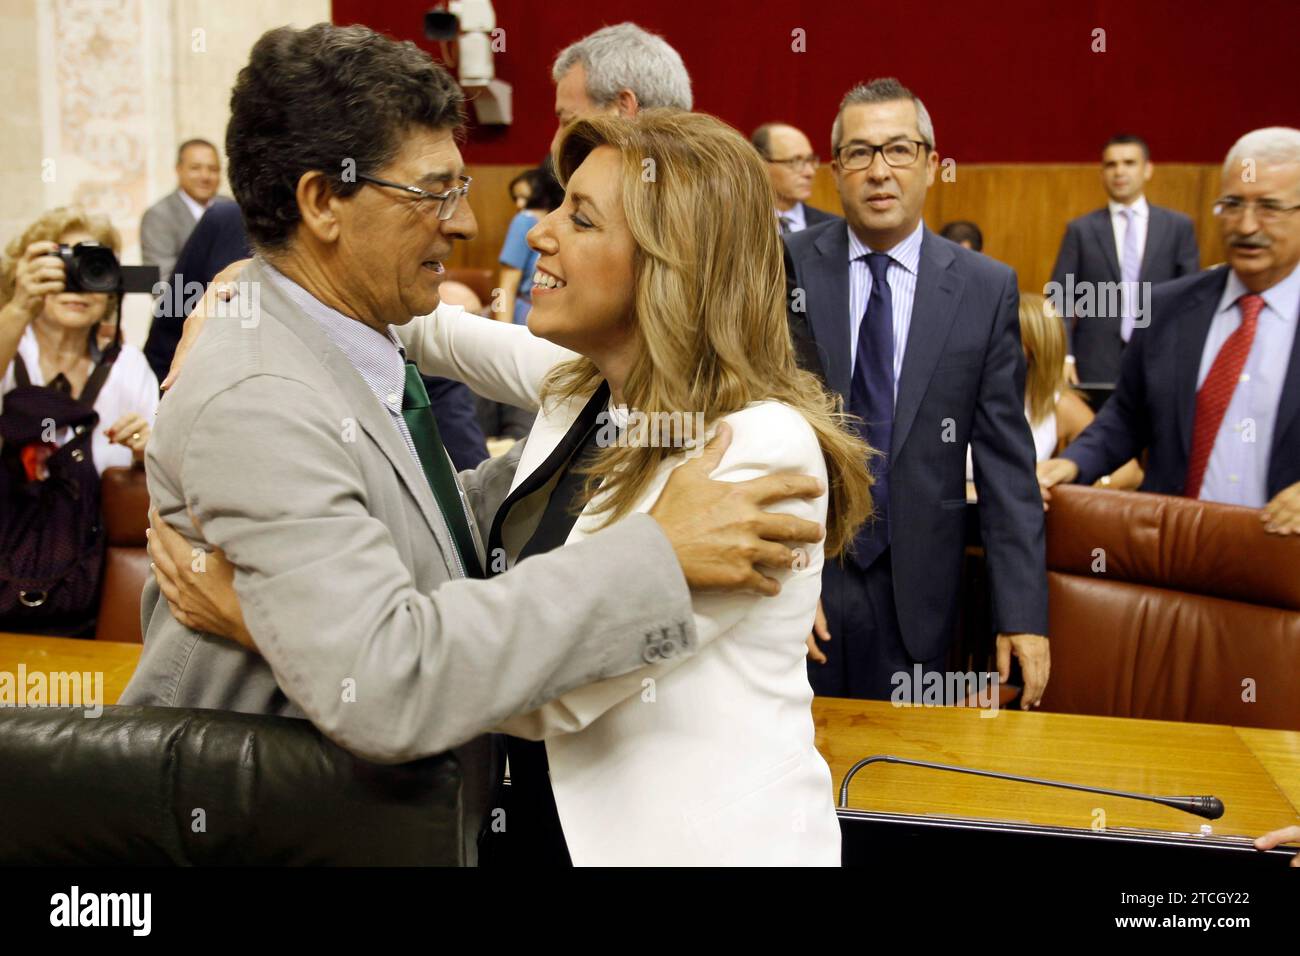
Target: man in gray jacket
{"x":297,"y":442}
{"x":167,"y":224}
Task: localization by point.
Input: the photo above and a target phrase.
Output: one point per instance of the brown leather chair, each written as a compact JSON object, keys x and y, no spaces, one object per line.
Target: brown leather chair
{"x":482,"y":281}
{"x":1171,"y":609}
{"x":125,"y":505}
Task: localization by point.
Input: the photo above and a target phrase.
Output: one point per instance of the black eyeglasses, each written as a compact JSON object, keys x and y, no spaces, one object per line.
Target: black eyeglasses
{"x":899,"y":152}
{"x":447,"y":202}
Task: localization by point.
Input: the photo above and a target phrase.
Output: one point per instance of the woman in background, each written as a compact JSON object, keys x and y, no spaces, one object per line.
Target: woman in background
{"x":517,"y":259}
{"x":71,"y":406}
{"x":52,"y":332}
{"x":1057,"y":414}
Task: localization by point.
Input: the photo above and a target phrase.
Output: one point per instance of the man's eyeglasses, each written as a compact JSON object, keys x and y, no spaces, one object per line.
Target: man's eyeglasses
{"x":899,"y":152}
{"x":796,"y":163}
{"x":447,"y":202}
{"x":1266,"y":210}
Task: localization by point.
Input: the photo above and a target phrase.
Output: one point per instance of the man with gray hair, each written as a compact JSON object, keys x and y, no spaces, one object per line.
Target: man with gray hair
{"x":1210,"y":390}
{"x":620,"y":70}
{"x":921,"y":337}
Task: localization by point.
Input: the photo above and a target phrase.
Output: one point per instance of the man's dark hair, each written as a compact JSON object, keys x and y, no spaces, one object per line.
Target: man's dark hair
{"x":330,"y":99}
{"x":544,"y":190}
{"x":180,"y":150}
{"x":1128,"y":139}
{"x":963,"y":230}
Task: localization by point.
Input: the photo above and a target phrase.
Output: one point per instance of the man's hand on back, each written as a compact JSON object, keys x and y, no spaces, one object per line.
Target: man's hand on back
{"x":719,"y":530}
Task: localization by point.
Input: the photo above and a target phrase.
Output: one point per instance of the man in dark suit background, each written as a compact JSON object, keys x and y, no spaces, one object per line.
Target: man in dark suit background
{"x":1211,"y":388}
{"x":1129,"y":241}
{"x":921,"y":337}
{"x":791,"y":166}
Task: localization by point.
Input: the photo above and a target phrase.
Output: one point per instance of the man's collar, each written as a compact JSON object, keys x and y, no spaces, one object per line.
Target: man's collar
{"x":794,"y":215}
{"x":1138,"y":205}
{"x":1283,"y":297}
{"x":906,"y":253}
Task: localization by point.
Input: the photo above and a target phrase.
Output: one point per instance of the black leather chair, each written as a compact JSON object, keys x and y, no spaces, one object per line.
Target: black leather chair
{"x":164,"y":786}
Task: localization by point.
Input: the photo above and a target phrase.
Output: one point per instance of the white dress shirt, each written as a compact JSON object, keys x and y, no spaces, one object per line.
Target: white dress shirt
{"x":196,"y":208}
{"x":902,"y":274}
{"x":1237,"y":472}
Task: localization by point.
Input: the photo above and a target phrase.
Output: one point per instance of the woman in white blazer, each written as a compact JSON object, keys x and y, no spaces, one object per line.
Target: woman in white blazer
{"x":660,"y":290}
{"x":710,"y":760}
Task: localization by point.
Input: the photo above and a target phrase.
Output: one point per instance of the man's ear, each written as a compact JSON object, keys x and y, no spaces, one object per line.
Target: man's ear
{"x":627,"y":104}
{"x":1151,"y":168}
{"x":316,"y":206}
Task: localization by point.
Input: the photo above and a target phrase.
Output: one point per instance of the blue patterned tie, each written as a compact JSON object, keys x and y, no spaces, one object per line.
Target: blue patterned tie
{"x":871,"y":398}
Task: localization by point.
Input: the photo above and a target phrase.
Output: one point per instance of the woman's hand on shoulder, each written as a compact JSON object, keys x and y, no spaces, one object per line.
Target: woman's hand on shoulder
{"x":198,"y":584}
{"x":221,"y":289}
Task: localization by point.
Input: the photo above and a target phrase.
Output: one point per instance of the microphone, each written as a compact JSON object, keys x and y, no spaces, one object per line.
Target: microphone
{"x":1211,"y":808}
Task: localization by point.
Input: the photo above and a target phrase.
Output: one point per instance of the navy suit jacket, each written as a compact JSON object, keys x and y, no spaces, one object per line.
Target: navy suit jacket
{"x":1154,"y":403}
{"x":1088,"y":253}
{"x":812,"y":216}
{"x":962,"y":382}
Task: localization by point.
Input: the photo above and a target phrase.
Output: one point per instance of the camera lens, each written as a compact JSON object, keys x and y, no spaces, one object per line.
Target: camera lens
{"x":94,"y":269}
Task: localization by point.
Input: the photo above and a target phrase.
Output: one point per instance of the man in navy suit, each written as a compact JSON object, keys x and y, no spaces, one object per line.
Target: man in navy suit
{"x":921,"y":337}
{"x":791,"y":166}
{"x":1210,"y":390}
{"x":1131,"y":242}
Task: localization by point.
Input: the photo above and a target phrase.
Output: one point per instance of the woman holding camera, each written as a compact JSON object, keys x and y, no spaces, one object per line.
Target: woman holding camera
{"x":72,"y":402}
{"x":53,"y":332}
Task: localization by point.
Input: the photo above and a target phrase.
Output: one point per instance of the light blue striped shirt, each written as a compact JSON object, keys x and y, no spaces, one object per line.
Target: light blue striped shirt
{"x":376,"y":357}
{"x":1237,"y":472}
{"x":901,"y":276}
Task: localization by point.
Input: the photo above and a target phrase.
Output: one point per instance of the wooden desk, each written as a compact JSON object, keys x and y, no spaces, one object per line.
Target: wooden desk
{"x":1255,"y":772}
{"x":51,"y":655}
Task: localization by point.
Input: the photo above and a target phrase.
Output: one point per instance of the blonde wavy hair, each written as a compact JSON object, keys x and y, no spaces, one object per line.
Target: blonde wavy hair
{"x":709,"y":303}
{"x":1043,"y":336}
{"x":53,"y":225}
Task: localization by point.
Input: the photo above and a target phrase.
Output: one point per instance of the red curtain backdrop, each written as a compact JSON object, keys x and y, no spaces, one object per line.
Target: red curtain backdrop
{"x":1013,"y":81}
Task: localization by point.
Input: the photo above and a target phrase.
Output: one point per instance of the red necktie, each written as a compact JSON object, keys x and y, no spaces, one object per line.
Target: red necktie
{"x":1216,"y":391}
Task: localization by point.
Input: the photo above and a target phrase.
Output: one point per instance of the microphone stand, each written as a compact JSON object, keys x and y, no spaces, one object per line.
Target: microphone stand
{"x":1211,"y":808}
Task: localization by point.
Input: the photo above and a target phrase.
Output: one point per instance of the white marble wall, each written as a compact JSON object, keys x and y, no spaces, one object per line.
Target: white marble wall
{"x":100,"y":92}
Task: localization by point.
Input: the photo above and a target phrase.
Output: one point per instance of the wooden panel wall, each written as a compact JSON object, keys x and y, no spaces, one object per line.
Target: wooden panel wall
{"x":1022,"y":209}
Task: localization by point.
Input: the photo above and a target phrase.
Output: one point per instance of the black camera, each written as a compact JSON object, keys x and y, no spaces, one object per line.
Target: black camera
{"x":90,"y":267}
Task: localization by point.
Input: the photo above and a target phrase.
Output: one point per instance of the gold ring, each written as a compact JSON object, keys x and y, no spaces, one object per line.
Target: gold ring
{"x":135,"y":437}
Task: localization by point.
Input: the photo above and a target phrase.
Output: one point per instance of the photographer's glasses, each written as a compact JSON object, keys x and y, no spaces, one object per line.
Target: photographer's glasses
{"x":448,"y":202}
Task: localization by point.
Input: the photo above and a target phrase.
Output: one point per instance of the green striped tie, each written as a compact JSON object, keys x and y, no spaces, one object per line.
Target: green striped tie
{"x":437,"y":467}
